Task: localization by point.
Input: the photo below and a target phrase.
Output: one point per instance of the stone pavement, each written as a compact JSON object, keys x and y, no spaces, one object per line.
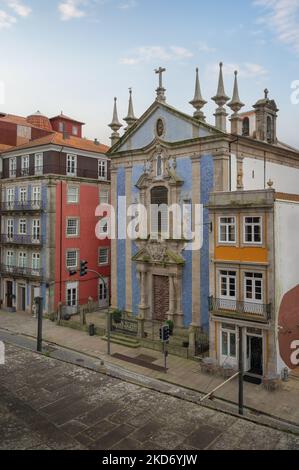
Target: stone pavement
{"x":56,"y":405}
{"x":283,"y":404}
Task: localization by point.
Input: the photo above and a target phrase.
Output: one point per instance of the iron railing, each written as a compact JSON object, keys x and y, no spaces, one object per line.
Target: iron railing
{"x":20,"y":206}
{"x":20,"y":271}
{"x":235,"y":308}
{"x":20,"y":240}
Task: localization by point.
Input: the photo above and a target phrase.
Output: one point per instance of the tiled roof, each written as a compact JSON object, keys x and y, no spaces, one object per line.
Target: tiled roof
{"x":4,"y":147}
{"x":56,"y":138}
{"x":67,"y":118}
{"x":12,"y":118}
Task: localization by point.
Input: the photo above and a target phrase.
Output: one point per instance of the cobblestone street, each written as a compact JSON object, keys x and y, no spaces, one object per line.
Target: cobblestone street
{"x":49,"y":404}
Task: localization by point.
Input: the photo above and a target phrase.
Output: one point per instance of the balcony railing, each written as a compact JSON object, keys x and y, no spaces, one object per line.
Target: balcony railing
{"x":20,"y":206}
{"x":56,"y":170}
{"x":19,"y":271}
{"x":237,"y":309}
{"x":20,"y":240}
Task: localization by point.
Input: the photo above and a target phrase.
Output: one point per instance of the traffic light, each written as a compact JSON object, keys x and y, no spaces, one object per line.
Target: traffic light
{"x":72,"y":273}
{"x":83,"y":268}
{"x":164,"y":333}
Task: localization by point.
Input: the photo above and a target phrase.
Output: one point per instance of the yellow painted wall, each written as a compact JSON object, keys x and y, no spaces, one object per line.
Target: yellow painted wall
{"x":242,"y":254}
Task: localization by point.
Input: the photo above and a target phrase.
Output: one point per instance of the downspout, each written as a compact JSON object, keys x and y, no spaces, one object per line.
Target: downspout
{"x":60,"y":244}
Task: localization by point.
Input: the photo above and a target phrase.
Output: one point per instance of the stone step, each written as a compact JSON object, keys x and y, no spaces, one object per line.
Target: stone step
{"x":122,"y":340}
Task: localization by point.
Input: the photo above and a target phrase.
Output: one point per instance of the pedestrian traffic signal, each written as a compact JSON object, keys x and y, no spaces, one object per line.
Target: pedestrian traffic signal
{"x":164,"y":333}
{"x":83,"y":268}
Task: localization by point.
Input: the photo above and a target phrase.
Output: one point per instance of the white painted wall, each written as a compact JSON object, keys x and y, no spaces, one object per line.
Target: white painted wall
{"x":286,"y":251}
{"x":285,"y":178}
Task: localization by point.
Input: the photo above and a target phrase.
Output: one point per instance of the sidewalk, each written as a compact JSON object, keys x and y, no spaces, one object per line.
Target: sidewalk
{"x":186,"y":373}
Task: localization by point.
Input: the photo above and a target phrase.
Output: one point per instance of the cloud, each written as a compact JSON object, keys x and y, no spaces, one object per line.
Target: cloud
{"x":6,"y":20}
{"x":204,"y":47}
{"x":153,"y":53}
{"x":282,"y":17}
{"x":71,"y":9}
{"x":19,"y":7}
{"x":246,"y":70}
{"x":126,"y":5}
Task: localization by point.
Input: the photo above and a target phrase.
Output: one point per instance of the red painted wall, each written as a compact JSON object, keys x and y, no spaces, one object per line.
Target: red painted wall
{"x":86,"y":243}
{"x":68,"y":126}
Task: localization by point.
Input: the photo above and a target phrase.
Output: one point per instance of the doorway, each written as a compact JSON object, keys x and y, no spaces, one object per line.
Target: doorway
{"x":255,"y":355}
{"x":160,"y":297}
{"x":21,"y":298}
{"x":103,"y":293}
{"x":9,"y":294}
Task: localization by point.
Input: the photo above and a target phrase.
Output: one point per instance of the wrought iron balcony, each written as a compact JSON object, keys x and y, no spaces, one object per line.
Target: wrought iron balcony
{"x":18,"y":271}
{"x":240,"y":309}
{"x":19,"y":206}
{"x":20,"y":240}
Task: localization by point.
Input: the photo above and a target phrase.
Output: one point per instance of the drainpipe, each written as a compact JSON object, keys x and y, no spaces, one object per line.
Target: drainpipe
{"x":60,"y":244}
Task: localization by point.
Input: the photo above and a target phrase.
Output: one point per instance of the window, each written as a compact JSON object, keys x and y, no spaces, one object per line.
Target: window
{"x":10,"y":229}
{"x":25,"y":165}
{"x":71,"y":165}
{"x":72,"y":227}
{"x":159,"y":165}
{"x":104,"y":196}
{"x":103,"y":227}
{"x":228,"y":341}
{"x":38,"y":163}
{"x":102,"y":169}
{"x":23,"y":195}
{"x":227,"y":287}
{"x":227,"y":230}
{"x":246,"y":127}
{"x":36,"y":195}
{"x":72,"y":294}
{"x":254,"y":287}
{"x":159,"y":210}
{"x":22,"y":259}
{"x":103,"y":256}
{"x":12,"y":167}
{"x":75,"y":130}
{"x":36,"y":230}
{"x":72,"y":259}
{"x":60,"y":126}
{"x":10,"y":196}
{"x":72,"y":194}
{"x":22,"y":227}
{"x":35,"y":261}
{"x":10,"y":258}
{"x":253,"y":230}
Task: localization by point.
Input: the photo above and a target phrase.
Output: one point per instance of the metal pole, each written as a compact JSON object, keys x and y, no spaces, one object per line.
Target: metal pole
{"x":39,"y":302}
{"x":241,"y":373}
{"x":108,"y":332}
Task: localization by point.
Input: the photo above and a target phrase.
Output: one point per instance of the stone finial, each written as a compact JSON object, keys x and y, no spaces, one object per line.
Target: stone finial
{"x":198,"y":102}
{"x":130,"y":119}
{"x":160,"y":90}
{"x":236,"y":105}
{"x":270,"y":184}
{"x":221,"y":99}
{"x":266,"y":91}
{"x":115,"y":124}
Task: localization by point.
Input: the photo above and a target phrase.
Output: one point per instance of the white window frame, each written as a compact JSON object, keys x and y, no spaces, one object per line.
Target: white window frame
{"x":10,"y":196}
{"x":36,"y":195}
{"x":229,"y":330}
{"x":254,"y":277}
{"x":75,"y":130}
{"x":23,"y":223}
{"x":38,"y":164}
{"x":69,"y":188}
{"x":227,"y":231}
{"x":60,"y":126}
{"x":106,"y":263}
{"x":36,"y":230}
{"x":25,"y":163}
{"x":71,"y":164}
{"x":10,"y":258}
{"x":72,"y":266}
{"x":35,"y":261}
{"x":23,"y":193}
{"x":76,"y":234}
{"x":103,"y":227}
{"x":102,"y":169}
{"x":72,"y":286}
{"x":13,"y":167}
{"x":252,"y":224}
{"x":22,"y":259}
{"x":10,"y":229}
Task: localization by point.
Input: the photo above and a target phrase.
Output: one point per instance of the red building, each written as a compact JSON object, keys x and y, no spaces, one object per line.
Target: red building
{"x":51,"y":184}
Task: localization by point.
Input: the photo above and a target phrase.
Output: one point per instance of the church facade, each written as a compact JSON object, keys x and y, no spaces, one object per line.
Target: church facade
{"x":169,"y":157}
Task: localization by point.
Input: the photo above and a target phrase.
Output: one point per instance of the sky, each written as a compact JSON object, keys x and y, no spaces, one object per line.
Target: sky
{"x":76,"y":55}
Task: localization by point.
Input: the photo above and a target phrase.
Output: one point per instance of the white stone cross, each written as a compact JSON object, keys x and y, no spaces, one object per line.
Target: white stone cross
{"x":160,"y":71}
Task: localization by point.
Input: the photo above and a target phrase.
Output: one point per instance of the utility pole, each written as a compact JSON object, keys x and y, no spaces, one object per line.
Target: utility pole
{"x":241,"y":372}
{"x":39,"y":304}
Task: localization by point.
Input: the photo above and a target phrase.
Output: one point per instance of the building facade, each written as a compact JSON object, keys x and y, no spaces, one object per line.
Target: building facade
{"x":50,"y":188}
{"x":168,"y":157}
